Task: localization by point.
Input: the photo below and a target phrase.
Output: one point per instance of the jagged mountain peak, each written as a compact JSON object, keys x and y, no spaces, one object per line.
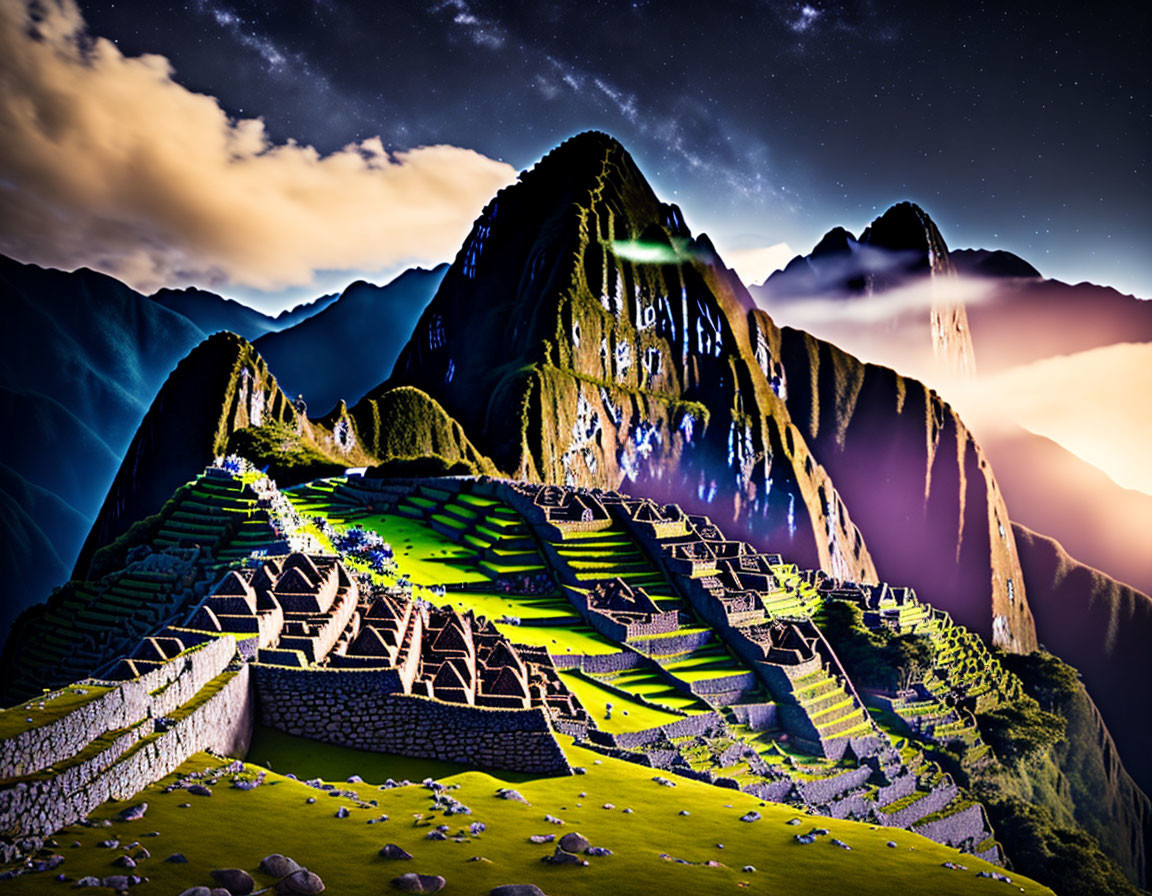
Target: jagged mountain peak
{"x":906,"y":228}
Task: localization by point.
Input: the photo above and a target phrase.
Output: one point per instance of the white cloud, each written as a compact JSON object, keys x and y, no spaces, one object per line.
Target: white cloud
{"x":107,"y":161}
{"x":754,"y":265}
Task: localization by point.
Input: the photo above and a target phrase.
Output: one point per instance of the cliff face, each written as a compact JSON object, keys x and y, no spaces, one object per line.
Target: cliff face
{"x":1103,"y":628}
{"x":582,"y":336}
{"x":917,"y":482}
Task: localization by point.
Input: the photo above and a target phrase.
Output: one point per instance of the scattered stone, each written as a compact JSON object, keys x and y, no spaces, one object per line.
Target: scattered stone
{"x":509,"y":794}
{"x":436,"y":835}
{"x":749,"y":869}
{"x":197,"y":891}
{"x":125,"y":862}
{"x":235,"y":880}
{"x":793,"y":821}
{"x":310,"y":800}
{"x":108,"y":844}
{"x":574,"y":842}
{"x":685,"y":812}
{"x":517,"y":890}
{"x":141,"y":854}
{"x":355,"y":779}
{"x":542,"y":838}
{"x":608,"y":806}
{"x":750,"y":816}
{"x":177,"y":858}
{"x":664,"y":782}
{"x":392,"y":851}
{"x":995,"y":875}
{"x":627,"y":811}
{"x":419,"y":883}
{"x":839,"y":843}
{"x":185,"y":806}
{"x":891,"y":844}
{"x":134,"y":813}
{"x":579,"y":770}
{"x":117,"y":882}
{"x":342,"y":812}
{"x":560,"y":857}
{"x":301,"y":883}
{"x":804,"y":838}
{"x":552,"y":819}
{"x":277,"y":865}
{"x":598,"y":851}
{"x":955,"y":866}
{"x":95,"y":882}
{"x":200,"y":790}
{"x":477,"y":828}
{"x":75,"y":844}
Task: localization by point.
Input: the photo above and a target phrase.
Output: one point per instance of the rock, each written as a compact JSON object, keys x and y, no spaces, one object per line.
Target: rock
{"x":302,"y":882}
{"x":200,"y":790}
{"x":141,"y":854}
{"x":749,"y":869}
{"x":609,"y":806}
{"x":177,"y":858}
{"x":574,"y":842}
{"x":891,"y":844}
{"x":310,"y":800}
{"x":750,"y":816}
{"x":552,"y":819}
{"x":117,"y":882}
{"x":560,"y":857}
{"x":509,"y":794}
{"x":95,"y":882}
{"x":517,"y":890}
{"x":392,"y":851}
{"x":134,"y":813}
{"x":277,"y":865}
{"x":419,"y":883}
{"x":235,"y":880}
{"x":685,"y":812}
{"x":125,"y":862}
{"x":108,"y":844}
{"x":355,"y":779}
{"x":436,"y":835}
{"x":342,"y":812}
{"x":793,"y":821}
{"x":627,"y":811}
{"x":542,"y":838}
{"x":598,"y":851}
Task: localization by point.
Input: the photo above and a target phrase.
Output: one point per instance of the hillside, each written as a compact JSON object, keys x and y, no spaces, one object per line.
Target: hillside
{"x":82,"y":357}
{"x":1102,"y":627}
{"x":349,"y":346}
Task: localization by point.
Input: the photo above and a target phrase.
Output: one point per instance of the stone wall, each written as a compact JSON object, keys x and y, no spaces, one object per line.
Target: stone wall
{"x":155,"y":694}
{"x":355,"y":708}
{"x":968,"y":827}
{"x":131,"y":762}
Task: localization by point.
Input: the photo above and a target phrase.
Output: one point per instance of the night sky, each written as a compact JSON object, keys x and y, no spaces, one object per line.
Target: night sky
{"x":1027,"y":128}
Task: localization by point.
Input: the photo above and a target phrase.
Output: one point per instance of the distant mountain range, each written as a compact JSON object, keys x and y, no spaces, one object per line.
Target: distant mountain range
{"x":83,"y":358}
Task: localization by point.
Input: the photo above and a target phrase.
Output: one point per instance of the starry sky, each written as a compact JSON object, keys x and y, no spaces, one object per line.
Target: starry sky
{"x":1024,"y":126}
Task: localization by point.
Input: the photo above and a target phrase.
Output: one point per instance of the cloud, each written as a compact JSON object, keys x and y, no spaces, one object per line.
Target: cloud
{"x":107,"y":161}
{"x":754,"y":265}
{"x":1093,"y":403}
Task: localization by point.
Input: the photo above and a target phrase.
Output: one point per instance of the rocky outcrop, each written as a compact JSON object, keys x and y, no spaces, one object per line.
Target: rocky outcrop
{"x":1103,"y":628}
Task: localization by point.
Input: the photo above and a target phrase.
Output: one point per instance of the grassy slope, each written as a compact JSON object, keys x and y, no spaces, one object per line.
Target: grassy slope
{"x":234,"y":828}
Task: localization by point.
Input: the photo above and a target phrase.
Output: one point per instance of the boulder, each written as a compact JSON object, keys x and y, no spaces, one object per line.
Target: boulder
{"x":419,"y":883}
{"x":125,"y":862}
{"x":277,"y":865}
{"x":560,"y":857}
{"x":574,"y":842}
{"x":235,"y":880}
{"x":133,"y":813}
{"x":200,"y":790}
{"x":392,"y":851}
{"x":177,"y":858}
{"x":517,"y":890}
{"x":300,"y":883}
{"x":95,"y":882}
{"x":117,"y":882}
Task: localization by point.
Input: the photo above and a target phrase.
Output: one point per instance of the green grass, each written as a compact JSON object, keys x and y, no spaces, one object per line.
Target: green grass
{"x":236,"y":828}
{"x":56,"y":705}
{"x":428,"y":557}
{"x":494,"y":605}
{"x":583,"y":641}
{"x":595,"y":697}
